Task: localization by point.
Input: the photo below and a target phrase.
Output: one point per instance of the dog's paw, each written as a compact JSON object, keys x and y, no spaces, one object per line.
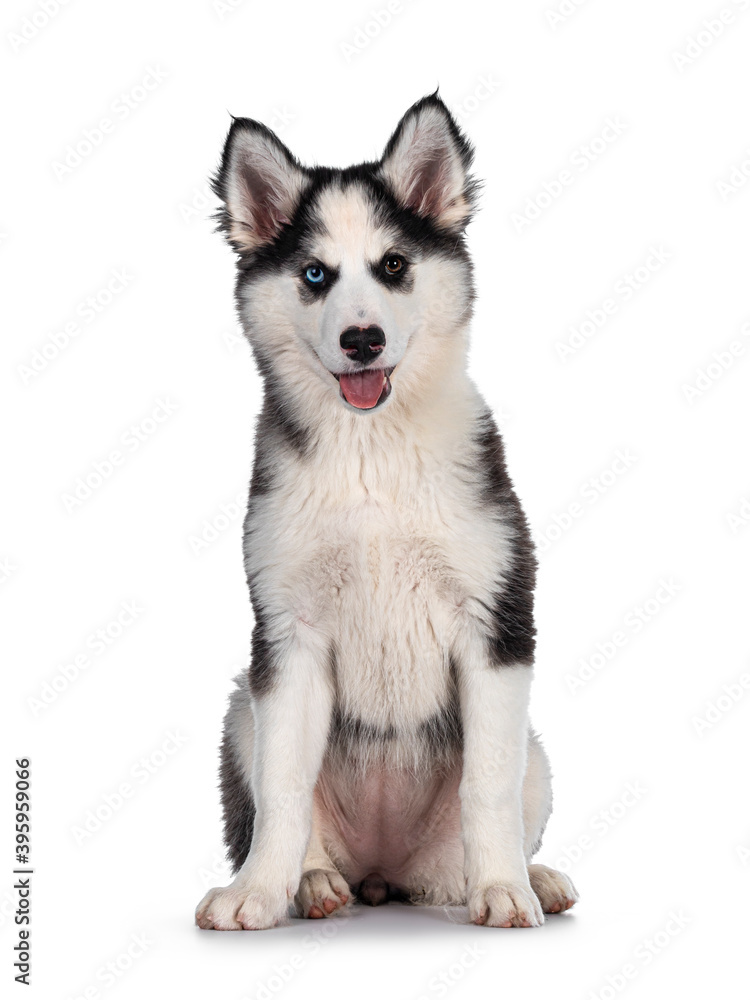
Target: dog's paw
{"x":555,"y":891}
{"x":237,"y":908}
{"x":505,"y":904}
{"x":321,"y":893}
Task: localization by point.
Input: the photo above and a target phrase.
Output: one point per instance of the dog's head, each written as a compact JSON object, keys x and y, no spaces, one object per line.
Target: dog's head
{"x":354,"y":285}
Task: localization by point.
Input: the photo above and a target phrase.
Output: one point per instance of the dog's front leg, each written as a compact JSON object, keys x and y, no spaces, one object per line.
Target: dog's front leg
{"x":292,"y":716}
{"x":494,"y":710}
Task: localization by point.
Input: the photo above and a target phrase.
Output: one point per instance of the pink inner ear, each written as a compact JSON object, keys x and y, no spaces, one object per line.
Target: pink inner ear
{"x":263,"y":210}
{"x":430,"y":190}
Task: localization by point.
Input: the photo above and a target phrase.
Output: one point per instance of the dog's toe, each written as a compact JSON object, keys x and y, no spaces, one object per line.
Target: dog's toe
{"x":554,"y":890}
{"x":505,"y":905}
{"x":321,"y":893}
{"x":235,"y":908}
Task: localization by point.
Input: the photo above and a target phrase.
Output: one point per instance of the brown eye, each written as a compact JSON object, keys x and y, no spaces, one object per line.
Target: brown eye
{"x":393,"y":265}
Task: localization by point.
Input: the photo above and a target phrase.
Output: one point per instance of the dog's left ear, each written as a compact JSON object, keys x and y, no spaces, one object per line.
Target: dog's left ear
{"x":426,"y":165}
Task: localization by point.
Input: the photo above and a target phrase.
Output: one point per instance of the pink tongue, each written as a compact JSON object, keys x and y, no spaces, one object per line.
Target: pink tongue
{"x":362,"y":389}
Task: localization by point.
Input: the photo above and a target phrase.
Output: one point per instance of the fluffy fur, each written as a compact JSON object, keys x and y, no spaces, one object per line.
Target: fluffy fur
{"x":379,"y":745}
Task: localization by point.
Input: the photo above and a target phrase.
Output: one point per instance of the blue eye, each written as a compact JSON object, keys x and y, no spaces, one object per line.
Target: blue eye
{"x":315,"y":275}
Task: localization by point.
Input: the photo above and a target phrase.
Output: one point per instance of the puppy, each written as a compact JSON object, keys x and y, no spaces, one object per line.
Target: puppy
{"x":379,"y":746}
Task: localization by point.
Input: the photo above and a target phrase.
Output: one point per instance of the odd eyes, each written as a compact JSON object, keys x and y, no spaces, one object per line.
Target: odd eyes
{"x":391,"y":268}
{"x":315,"y":275}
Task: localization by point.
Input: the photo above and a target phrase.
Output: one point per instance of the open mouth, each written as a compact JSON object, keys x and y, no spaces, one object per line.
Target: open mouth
{"x":365,"y":389}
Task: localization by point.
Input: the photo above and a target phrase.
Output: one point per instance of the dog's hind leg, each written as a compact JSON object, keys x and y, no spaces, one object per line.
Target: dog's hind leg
{"x":235,"y":774}
{"x":554,"y":890}
{"x":323,"y":890}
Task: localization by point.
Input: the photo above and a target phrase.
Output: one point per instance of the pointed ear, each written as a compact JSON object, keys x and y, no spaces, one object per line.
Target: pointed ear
{"x":260,"y":183}
{"x":426,"y":164}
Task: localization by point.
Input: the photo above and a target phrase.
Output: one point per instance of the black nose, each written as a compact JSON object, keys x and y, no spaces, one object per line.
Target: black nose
{"x":362,"y":345}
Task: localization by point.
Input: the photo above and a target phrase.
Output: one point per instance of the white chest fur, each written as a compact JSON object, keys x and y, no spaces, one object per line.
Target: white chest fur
{"x":379,"y":544}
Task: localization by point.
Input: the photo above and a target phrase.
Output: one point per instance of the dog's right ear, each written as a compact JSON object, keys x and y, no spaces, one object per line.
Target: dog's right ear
{"x":260,"y":184}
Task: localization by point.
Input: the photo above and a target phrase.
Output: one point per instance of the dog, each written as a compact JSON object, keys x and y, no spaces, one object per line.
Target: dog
{"x":378,"y":748}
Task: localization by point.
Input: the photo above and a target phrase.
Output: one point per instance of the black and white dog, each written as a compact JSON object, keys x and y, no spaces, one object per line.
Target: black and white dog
{"x":379,"y":746}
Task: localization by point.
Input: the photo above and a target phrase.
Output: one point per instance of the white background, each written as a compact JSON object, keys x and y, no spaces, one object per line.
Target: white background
{"x":531,"y":91}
